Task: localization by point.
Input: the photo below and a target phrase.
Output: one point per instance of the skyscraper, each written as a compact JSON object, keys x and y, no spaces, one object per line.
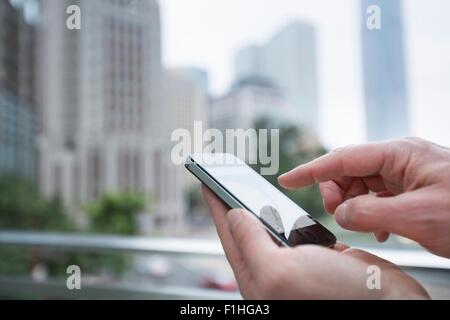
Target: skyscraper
{"x":186,"y":101}
{"x":17,"y":94}
{"x":289,"y":60}
{"x":198,"y":75}
{"x":102,"y":113}
{"x":248,"y":101}
{"x":384,"y":68}
{"x":185,"y":98}
{"x":249,"y":62}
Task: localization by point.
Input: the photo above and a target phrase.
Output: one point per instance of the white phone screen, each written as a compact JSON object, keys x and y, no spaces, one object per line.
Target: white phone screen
{"x":258,"y":195}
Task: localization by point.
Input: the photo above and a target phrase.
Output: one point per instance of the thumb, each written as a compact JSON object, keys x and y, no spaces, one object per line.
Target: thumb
{"x":369,"y":213}
{"x":251,"y":238}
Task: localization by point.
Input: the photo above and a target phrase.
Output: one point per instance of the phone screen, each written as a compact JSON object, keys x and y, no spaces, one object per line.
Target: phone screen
{"x":260,"y":197}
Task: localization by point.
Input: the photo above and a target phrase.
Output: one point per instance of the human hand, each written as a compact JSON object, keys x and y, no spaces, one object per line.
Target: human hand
{"x":409,"y":181}
{"x":264,"y":270}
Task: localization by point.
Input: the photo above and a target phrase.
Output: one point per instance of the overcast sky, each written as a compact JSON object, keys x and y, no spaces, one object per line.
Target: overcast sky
{"x":208,"y":33}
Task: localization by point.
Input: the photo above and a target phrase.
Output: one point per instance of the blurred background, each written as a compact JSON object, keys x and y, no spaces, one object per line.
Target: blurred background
{"x":86,"y":117}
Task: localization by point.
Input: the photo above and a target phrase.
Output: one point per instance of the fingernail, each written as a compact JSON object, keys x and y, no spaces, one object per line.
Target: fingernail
{"x":234,"y":217}
{"x":341,"y":215}
{"x":283,"y":175}
{"x":326,"y":210}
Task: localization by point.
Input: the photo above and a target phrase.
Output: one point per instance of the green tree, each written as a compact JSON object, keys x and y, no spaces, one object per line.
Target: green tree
{"x":296,"y":147}
{"x":112,"y":213}
{"x":22,"y":207}
{"x":197,"y":211}
{"x":116,"y":213}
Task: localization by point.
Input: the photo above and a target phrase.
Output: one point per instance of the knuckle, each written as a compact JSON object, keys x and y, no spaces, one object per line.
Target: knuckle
{"x":424,"y":214}
{"x":352,"y":250}
{"x":340,"y":149}
{"x":428,"y":221}
{"x":415,"y":143}
{"x":357,"y":209}
{"x":407,"y":151}
{"x":241,"y":232}
{"x":415,"y":140}
{"x":362,"y":214}
{"x":245,"y":230}
{"x":402,"y":207}
{"x":400,"y":143}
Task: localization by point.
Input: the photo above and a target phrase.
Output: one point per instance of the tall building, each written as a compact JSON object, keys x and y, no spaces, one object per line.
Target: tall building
{"x":186,"y":102}
{"x":17,"y":94}
{"x":249,"y":62}
{"x":384,"y":67}
{"x":289,"y":60}
{"x":9,"y":47}
{"x":198,"y":75}
{"x":185,"y":99}
{"x":248,"y":101}
{"x":101,"y":105}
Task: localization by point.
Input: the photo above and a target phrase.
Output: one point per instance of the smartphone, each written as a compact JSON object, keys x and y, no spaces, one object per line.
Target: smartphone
{"x":239,"y":186}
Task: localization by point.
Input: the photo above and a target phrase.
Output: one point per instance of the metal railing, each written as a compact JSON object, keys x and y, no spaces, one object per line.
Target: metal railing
{"x":80,"y":243}
{"x":102,"y":243}
{"x":162,"y":246}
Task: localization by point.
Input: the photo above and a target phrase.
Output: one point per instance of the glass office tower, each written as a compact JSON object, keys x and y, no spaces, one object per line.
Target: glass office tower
{"x":384,"y":68}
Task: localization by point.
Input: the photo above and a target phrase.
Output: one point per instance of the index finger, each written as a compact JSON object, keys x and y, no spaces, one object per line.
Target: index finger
{"x":353,"y":161}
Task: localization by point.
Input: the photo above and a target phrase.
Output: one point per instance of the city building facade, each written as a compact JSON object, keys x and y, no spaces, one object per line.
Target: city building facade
{"x":384,"y":68}
{"x":102,"y":112}
{"x":17,"y":95}
{"x":249,"y":101}
{"x":289,"y":60}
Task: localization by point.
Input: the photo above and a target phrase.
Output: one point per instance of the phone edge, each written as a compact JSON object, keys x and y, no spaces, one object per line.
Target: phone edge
{"x":223,"y":194}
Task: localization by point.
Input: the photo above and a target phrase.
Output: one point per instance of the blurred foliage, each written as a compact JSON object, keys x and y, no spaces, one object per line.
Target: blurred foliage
{"x":116,"y":213}
{"x":22,"y":207}
{"x":113,"y":213}
{"x":197,"y":212}
{"x":296,"y":147}
{"x":194,"y":198}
